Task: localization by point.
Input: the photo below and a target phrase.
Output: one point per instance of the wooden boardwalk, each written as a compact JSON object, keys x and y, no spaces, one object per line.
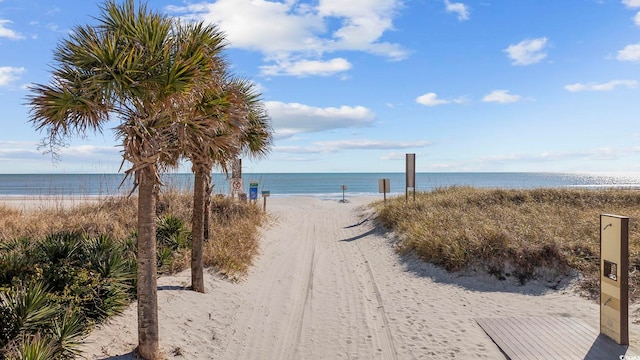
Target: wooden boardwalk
{"x":550,"y":338}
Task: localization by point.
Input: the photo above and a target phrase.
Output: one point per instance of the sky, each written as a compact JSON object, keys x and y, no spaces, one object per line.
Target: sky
{"x":354,"y":86}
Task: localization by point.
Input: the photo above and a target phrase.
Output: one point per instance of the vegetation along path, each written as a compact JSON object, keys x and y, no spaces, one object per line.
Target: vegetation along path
{"x":329,"y":285}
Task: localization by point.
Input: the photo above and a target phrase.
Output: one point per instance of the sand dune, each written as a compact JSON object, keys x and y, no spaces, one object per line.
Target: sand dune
{"x":327,"y":285}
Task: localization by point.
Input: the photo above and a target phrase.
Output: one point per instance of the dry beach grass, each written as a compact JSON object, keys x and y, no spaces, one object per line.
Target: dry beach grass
{"x":323,"y":280}
{"x":234,"y":231}
{"x":545,"y":234}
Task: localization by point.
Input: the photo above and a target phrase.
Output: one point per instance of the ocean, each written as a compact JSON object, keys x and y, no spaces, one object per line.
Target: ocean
{"x":323,"y":185}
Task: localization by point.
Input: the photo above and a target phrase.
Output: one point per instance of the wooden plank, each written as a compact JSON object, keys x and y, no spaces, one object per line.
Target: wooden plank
{"x":549,"y":338}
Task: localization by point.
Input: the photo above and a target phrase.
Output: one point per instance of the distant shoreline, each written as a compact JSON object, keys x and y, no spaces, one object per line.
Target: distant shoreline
{"x":320,"y":185}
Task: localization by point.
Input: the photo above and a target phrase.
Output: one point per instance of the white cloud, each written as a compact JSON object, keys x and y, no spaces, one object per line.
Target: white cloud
{"x":395,"y":155}
{"x":371,"y":144}
{"x":359,"y":144}
{"x":307,"y":67}
{"x":289,"y":119}
{"x":636,"y":19}
{"x":9,"y":74}
{"x":459,"y":8}
{"x":291,"y":34}
{"x":363,"y":22}
{"x":90,"y":151}
{"x":8,"y":33}
{"x":528,"y":51}
{"x":23,"y":153}
{"x":17,"y":149}
{"x":611,"y":85}
{"x":632,"y":3}
{"x":629,"y":53}
{"x":430,"y":99}
{"x":501,"y":96}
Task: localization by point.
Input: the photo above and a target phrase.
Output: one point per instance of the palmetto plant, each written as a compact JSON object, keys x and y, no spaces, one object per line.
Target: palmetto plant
{"x":62,"y":340}
{"x":145,"y":69}
{"x":32,"y":347}
{"x":33,"y":327}
{"x":25,"y":309}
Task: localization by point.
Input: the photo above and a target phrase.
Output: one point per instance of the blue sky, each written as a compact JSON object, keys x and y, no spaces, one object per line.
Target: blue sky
{"x":352,"y":86}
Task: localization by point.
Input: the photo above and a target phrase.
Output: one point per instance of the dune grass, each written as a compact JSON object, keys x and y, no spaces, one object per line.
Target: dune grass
{"x":544,"y":234}
{"x":234,"y":226}
{"x":63,"y":270}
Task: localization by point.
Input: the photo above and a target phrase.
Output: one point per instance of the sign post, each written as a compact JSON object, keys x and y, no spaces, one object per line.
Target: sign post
{"x":411,"y":176}
{"x":253,"y":190}
{"x":265,"y":195}
{"x":384,"y":186}
{"x":614,"y":277}
{"x":343,"y":187}
{"x":236,"y":186}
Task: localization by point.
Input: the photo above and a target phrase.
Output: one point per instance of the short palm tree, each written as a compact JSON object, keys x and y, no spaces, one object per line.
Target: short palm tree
{"x":139,"y":66}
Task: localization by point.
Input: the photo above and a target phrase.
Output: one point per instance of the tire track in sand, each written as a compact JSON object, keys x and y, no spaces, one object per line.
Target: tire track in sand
{"x":313,"y":293}
{"x":279,"y":291}
{"x":389,"y":348}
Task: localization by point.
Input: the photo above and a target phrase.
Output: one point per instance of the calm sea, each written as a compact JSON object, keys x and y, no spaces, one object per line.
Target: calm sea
{"x":325,"y":185}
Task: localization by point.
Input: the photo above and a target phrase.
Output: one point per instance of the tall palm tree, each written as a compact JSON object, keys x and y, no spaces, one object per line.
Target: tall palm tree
{"x":139,"y":66}
{"x":242,"y":124}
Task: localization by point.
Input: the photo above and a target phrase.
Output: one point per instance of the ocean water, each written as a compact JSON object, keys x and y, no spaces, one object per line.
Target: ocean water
{"x":324,"y":185}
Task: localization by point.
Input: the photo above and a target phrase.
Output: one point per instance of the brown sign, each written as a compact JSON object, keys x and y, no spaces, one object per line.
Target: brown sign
{"x":411,"y":170}
{"x":384,"y":186}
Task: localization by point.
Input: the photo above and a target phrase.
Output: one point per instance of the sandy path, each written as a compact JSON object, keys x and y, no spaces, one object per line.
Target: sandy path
{"x":328,"y":286}
{"x":314,"y":295}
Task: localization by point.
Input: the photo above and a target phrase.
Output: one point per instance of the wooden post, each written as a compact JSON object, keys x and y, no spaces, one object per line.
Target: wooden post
{"x":614,"y":277}
{"x":384,"y":186}
{"x":265,"y":195}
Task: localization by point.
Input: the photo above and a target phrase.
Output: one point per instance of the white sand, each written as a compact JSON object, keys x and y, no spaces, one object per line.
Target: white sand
{"x":28,"y":203}
{"x":328,"y":286}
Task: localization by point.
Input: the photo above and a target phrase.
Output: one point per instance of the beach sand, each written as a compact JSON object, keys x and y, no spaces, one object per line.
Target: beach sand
{"x":29,"y":203}
{"x":328,"y":285}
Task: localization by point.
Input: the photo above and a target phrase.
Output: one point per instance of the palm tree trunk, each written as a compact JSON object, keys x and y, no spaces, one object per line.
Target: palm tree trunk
{"x":148,"y":336}
{"x":207,"y":207}
{"x":197,"y":230}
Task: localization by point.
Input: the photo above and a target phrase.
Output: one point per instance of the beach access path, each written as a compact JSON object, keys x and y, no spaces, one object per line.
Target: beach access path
{"x":329,"y":285}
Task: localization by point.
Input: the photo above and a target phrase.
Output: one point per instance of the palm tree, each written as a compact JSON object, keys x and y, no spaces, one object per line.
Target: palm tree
{"x":241,"y":123}
{"x":257,"y":135}
{"x":203,"y":151}
{"x":139,"y":66}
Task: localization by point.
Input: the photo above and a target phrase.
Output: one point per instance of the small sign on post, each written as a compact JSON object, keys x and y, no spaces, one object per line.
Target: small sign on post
{"x":236,"y":186}
{"x":384,"y":186}
{"x":253,"y":190}
{"x":265,"y":195}
{"x":344,"y":188}
{"x":614,"y":277}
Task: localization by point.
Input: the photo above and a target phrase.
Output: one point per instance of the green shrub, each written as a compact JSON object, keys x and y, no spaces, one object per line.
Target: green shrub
{"x":89,"y":276}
